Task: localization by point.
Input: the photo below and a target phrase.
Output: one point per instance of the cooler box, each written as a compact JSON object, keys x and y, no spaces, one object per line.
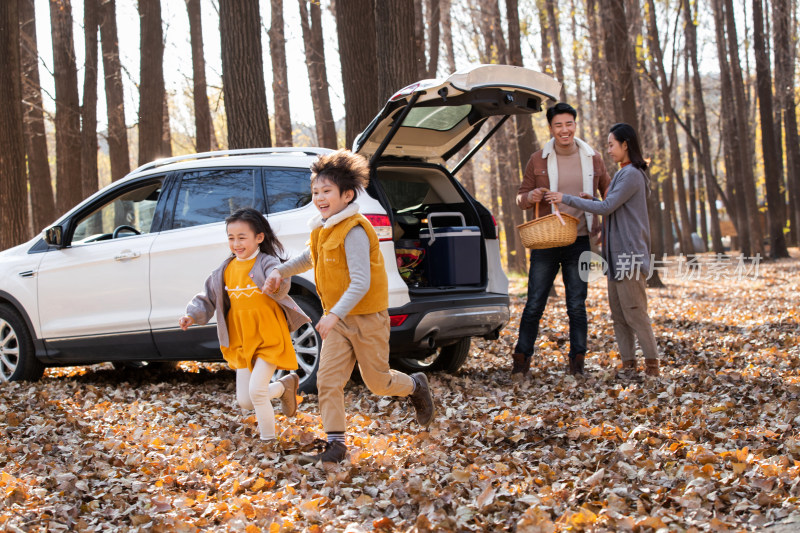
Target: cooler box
{"x":452,"y":253}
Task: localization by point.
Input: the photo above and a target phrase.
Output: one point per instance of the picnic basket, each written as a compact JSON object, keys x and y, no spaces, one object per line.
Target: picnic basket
{"x":550,"y":231}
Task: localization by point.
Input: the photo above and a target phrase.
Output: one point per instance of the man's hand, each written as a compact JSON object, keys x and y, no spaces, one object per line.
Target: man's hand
{"x":535,"y":196}
{"x":273,"y":282}
{"x":326,"y":324}
{"x":185,"y":322}
{"x":586,"y":196}
{"x":553,"y":197}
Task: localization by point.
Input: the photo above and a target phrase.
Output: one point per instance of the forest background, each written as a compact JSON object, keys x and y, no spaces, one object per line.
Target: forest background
{"x":104,"y":85}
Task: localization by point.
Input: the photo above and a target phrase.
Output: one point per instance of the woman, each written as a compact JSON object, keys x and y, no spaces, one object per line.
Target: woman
{"x":626,"y":246}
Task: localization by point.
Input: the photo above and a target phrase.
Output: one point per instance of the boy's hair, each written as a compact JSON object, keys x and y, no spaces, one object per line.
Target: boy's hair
{"x":270,"y":245}
{"x":560,"y":108}
{"x":343,"y":168}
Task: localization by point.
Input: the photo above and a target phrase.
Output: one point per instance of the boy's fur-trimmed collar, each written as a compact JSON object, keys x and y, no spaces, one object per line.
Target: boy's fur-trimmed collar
{"x":317,"y":221}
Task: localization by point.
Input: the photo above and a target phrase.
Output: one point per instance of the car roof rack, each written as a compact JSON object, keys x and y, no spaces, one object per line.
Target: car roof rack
{"x":227,"y":153}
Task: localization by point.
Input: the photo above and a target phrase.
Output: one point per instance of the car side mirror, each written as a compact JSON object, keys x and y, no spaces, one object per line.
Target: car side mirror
{"x":54,"y":236}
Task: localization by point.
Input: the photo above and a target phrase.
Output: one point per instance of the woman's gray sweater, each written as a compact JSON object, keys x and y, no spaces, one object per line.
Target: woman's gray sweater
{"x":626,"y":227}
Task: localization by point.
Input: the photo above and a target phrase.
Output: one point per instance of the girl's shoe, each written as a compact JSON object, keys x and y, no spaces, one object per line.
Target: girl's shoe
{"x":289,"y":397}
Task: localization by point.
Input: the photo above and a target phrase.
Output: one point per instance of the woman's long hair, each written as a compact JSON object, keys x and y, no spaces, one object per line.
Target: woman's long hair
{"x":624,"y":133}
{"x":270,"y":245}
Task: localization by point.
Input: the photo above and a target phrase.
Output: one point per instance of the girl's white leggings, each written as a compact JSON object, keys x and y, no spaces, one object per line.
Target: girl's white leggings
{"x":254,"y":391}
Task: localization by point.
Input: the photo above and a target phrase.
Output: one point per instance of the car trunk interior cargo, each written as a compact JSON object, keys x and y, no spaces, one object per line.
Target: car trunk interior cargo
{"x":437,"y":232}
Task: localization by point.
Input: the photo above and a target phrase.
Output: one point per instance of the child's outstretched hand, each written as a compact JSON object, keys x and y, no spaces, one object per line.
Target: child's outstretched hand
{"x":273,"y":282}
{"x":185,"y":322}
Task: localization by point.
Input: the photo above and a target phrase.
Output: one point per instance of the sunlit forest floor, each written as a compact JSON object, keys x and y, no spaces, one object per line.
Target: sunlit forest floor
{"x":711,"y":445}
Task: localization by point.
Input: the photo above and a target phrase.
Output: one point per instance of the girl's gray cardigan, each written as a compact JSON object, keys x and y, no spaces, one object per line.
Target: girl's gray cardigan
{"x":213,"y":301}
{"x":626,"y":227}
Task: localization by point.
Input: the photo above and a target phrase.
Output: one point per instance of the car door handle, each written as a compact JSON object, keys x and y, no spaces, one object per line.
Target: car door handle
{"x":27,"y":274}
{"x":127,"y":254}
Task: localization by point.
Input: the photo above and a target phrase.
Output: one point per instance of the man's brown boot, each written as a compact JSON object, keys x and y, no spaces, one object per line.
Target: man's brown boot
{"x":651,"y":367}
{"x":521,"y":368}
{"x":578,"y":361}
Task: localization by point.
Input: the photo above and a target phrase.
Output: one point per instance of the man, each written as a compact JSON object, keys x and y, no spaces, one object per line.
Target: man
{"x":566,"y":164}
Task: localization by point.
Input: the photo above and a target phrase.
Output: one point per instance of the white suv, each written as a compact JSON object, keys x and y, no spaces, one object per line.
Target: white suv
{"x":109,"y":280}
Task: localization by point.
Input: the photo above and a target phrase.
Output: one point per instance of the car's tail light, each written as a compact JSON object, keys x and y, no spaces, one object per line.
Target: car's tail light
{"x":382,"y":225}
{"x":397,"y":320}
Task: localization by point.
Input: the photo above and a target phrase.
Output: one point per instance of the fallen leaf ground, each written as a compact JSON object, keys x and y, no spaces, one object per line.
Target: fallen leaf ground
{"x":712,"y":445}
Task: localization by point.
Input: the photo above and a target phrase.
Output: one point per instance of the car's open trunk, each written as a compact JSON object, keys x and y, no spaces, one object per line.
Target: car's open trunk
{"x":439,"y":243}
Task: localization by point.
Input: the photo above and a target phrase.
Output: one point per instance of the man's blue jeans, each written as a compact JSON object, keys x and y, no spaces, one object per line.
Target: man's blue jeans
{"x":544,"y":267}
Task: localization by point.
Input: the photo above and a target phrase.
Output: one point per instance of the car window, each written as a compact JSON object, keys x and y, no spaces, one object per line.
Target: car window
{"x":286,"y":189}
{"x":208,"y":196}
{"x":440,"y":118}
{"x":132,"y":208}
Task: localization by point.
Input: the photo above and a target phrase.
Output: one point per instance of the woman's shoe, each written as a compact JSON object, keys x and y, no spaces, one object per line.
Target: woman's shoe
{"x":651,"y":368}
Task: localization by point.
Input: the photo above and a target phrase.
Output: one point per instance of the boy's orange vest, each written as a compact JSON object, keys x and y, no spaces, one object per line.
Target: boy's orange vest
{"x":330,"y":267}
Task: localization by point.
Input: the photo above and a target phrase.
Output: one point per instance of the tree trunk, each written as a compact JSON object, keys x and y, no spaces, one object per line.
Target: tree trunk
{"x":151,"y":82}
{"x":741,"y":105}
{"x":663,"y":179}
{"x":555,"y":38}
{"x":546,"y":60}
{"x":119,"y":153}
{"x":280,"y":78}
{"x":704,"y":155}
{"x":599,"y":72}
{"x":420,"y":63}
{"x":355,"y":27}
{"x":676,"y":164}
{"x":89,"y":146}
{"x":204,"y":128}
{"x":784,"y":26}
{"x":772,"y":174}
{"x":317,"y":73}
{"x":691,"y":173}
{"x":68,"y":113}
{"x":434,"y":15}
{"x":619,"y":56}
{"x":394,"y":26}
{"x":527,"y":143}
{"x":43,"y":204}
{"x":733,"y":164}
{"x":577,"y":68}
{"x":447,"y":36}
{"x":243,"y":74}
{"x":13,"y":189}
{"x":166,"y":132}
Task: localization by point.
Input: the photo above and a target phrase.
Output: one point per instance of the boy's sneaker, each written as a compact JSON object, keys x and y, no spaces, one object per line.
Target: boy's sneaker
{"x":334,"y":452}
{"x":422,"y":399}
{"x":289,"y":397}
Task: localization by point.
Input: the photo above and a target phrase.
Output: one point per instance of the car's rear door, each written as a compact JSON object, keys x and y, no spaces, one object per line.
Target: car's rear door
{"x":191,"y":245}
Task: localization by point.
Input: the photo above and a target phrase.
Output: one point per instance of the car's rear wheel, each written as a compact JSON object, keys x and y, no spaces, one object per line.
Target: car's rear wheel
{"x":17,"y":356}
{"x":307,"y":346}
{"x":447,"y":358}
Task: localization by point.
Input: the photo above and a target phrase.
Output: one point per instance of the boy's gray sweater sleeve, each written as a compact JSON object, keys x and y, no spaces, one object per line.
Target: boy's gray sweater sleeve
{"x":356,"y":249}
{"x":296,"y":265}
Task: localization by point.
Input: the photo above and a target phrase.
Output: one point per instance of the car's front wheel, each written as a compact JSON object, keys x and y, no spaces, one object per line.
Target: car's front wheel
{"x":447,"y":358}
{"x":307,"y":346}
{"x":17,"y":356}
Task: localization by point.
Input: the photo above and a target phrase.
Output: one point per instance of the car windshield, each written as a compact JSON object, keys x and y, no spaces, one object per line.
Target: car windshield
{"x":441,"y":118}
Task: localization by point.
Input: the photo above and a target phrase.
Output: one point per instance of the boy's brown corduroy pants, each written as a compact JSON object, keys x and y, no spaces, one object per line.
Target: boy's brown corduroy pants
{"x":363,"y":339}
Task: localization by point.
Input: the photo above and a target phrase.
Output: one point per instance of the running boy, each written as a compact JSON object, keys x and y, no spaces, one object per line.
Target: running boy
{"x":352,"y":284}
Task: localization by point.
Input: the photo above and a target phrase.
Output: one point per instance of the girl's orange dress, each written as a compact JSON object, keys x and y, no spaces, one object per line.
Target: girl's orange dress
{"x":256,"y":323}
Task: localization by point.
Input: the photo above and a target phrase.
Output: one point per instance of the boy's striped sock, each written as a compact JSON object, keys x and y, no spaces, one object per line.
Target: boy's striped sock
{"x":336,"y":436}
